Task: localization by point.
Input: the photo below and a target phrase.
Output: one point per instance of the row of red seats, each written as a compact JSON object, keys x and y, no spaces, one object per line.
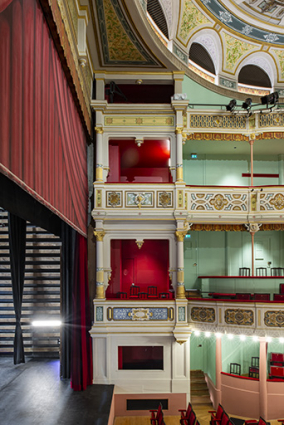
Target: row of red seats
{"x":157,"y":416}
{"x":219,"y":417}
{"x":276,"y":366}
{"x":188,"y":416}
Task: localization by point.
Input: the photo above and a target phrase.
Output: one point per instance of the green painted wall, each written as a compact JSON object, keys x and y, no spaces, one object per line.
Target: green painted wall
{"x":222,"y":253}
{"x":203,"y":354}
{"x":273,"y":347}
{"x":199,"y":94}
{"x":227,"y":170}
{"x":237,"y":351}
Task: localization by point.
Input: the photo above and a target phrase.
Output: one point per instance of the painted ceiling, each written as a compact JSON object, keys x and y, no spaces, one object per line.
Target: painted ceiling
{"x":235,"y":33}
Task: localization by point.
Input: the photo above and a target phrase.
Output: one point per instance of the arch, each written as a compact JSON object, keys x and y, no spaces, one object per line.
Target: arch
{"x":264,"y":63}
{"x":210,"y":41}
{"x":157,"y":14}
{"x":199,"y":55}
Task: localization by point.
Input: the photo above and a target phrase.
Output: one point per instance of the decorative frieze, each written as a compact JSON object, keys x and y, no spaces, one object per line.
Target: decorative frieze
{"x":271,"y":201}
{"x":99,"y":314}
{"x":218,"y":121}
{"x":141,"y":121}
{"x":139,"y":314}
{"x":203,"y":314}
{"x":239,"y":317}
{"x":218,"y":201}
{"x":143,"y":199}
{"x":274,"y":318}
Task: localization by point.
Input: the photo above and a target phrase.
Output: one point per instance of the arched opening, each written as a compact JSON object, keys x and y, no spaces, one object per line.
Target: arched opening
{"x":199,"y":55}
{"x":253,"y":75}
{"x":156,"y":12}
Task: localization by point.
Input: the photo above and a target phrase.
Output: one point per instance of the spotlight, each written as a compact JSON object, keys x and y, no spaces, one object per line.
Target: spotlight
{"x":255,"y":338}
{"x":218,"y":335}
{"x":230,"y":336}
{"x":247,"y":103}
{"x":196,"y":333}
{"x":281,"y":340}
{"x":242,"y":337}
{"x":231,"y":105}
{"x":268,"y":339}
{"x":270,"y":99}
{"x":207,"y":334}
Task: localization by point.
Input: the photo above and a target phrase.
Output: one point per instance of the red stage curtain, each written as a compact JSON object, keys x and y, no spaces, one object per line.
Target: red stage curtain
{"x":81,"y":353}
{"x":4,"y":4}
{"x":42,"y":141}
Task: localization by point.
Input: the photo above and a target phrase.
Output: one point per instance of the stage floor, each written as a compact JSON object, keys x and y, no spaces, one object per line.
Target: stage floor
{"x":32,"y":393}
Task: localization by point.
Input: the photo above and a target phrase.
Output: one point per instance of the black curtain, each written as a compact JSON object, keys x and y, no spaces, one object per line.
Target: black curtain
{"x":17,"y":246}
{"x":68,"y":238}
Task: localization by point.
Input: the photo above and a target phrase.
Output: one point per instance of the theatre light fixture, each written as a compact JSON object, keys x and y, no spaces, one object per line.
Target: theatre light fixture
{"x":270,"y":99}
{"x":231,"y":106}
{"x":247,"y":103}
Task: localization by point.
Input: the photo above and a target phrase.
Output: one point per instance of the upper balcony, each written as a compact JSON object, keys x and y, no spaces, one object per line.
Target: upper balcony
{"x":196,"y":203}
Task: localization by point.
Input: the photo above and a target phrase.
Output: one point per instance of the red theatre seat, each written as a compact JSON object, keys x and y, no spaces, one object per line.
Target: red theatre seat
{"x":216,"y":416}
{"x":134,"y":291}
{"x":253,"y":422}
{"x":277,"y":359}
{"x":243,"y":296}
{"x":278,"y":297}
{"x":152,"y":292}
{"x":276,"y":372}
{"x":184,"y":414}
{"x":261,"y":297}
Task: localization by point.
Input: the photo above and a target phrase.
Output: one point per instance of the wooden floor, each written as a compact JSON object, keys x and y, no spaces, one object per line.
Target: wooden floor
{"x":201,"y":411}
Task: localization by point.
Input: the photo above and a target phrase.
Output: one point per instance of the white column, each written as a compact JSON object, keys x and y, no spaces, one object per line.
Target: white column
{"x":180,"y":291}
{"x":99,"y":153}
{"x":100,"y":292}
{"x":179,"y":164}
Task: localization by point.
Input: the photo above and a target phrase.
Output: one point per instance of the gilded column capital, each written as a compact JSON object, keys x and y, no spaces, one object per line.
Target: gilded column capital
{"x":99,"y":130}
{"x":99,"y":234}
{"x":179,"y":130}
{"x":180,"y":234}
{"x":253,"y":227}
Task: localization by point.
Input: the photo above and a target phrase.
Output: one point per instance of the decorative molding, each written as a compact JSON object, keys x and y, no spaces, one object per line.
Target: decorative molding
{"x":140,"y":314}
{"x":71,"y":58}
{"x":180,"y":234}
{"x":118,"y":40}
{"x":181,"y":314}
{"x":114,"y":199}
{"x":218,"y":201}
{"x":99,"y":234}
{"x":218,"y":121}
{"x":274,"y":318}
{"x":141,"y":121}
{"x":99,"y":314}
{"x":203,"y":314}
{"x":239,"y":317}
{"x":99,"y":130}
{"x":139,"y":243}
{"x":143,"y":199}
{"x":253,"y":227}
{"x":165,"y":199}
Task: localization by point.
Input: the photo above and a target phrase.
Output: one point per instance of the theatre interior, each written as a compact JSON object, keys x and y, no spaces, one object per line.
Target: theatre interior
{"x":142,"y":212}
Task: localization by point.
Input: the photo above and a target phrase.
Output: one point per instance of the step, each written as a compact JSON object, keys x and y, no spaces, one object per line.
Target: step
{"x":200,"y":400}
{"x":198,"y":386}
